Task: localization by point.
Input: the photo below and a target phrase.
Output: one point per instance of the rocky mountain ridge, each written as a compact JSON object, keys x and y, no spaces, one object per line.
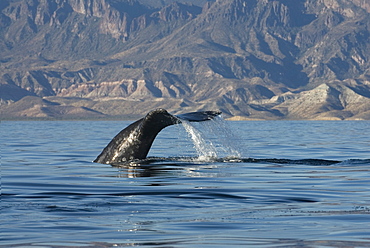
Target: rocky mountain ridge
{"x":258,"y":59}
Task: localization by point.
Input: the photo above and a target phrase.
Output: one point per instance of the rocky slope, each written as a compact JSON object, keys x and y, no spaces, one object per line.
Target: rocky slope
{"x":280,"y":59}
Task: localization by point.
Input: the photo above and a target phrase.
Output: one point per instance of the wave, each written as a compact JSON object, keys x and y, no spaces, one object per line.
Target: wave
{"x":195,"y":160}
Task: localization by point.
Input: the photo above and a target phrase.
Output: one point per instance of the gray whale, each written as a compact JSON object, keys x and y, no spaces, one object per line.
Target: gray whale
{"x":134,"y":142}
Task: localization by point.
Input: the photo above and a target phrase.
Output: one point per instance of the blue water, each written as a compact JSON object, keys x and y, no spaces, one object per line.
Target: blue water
{"x":52,"y":195}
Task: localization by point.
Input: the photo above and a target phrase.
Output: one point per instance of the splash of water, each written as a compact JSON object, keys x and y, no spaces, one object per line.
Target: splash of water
{"x":212,"y":139}
{"x":205,"y":149}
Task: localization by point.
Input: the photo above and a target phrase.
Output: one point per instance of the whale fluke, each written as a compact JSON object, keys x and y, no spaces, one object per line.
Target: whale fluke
{"x":134,"y":141}
{"x":199,"y":116}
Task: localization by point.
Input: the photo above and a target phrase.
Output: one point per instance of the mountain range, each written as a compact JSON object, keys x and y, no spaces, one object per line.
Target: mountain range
{"x":250,"y":59}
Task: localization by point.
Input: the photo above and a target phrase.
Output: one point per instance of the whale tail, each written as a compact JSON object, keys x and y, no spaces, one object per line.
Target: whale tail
{"x":135,"y":140}
{"x":199,"y":116}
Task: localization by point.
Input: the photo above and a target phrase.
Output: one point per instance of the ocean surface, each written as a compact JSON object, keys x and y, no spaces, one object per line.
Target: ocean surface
{"x":214,"y":184}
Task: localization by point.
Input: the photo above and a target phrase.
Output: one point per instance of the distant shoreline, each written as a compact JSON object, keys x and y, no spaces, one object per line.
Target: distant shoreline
{"x":136,"y":117}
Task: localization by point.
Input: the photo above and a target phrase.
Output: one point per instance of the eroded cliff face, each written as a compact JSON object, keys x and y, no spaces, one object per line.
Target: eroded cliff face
{"x":296,"y":59}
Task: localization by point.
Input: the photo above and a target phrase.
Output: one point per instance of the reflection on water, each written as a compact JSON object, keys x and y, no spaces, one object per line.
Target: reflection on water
{"x":154,"y":166}
{"x":310,"y":191}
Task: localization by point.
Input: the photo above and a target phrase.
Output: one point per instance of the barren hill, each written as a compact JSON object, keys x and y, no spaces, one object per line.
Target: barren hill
{"x":280,"y":59}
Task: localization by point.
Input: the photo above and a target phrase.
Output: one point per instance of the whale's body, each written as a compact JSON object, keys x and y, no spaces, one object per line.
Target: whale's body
{"x":134,"y":142}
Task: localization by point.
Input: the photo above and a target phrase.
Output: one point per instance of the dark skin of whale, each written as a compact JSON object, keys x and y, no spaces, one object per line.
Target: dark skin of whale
{"x":134,"y":142}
